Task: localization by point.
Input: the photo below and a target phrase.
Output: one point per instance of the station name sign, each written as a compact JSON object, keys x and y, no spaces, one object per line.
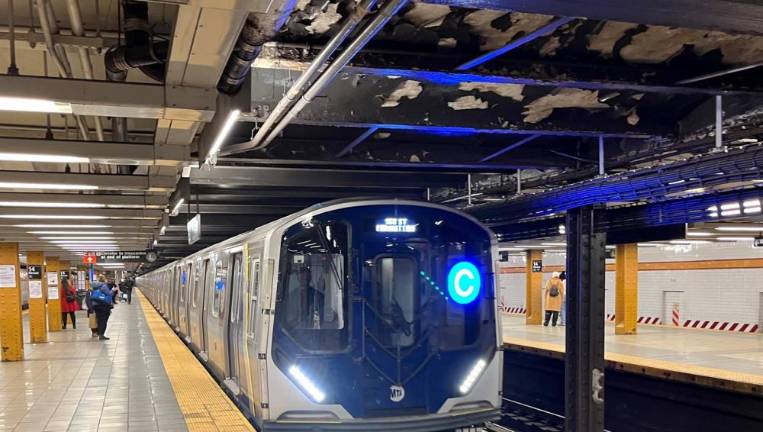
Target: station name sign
{"x":123,"y":256}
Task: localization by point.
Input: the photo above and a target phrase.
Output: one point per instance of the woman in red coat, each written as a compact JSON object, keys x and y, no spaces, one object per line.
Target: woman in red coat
{"x":69,"y":304}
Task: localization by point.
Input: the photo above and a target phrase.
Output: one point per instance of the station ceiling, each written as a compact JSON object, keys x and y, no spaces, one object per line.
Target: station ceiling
{"x":446,"y":100}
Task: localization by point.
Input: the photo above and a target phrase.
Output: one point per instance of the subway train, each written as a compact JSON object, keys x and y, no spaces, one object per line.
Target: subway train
{"x":352,"y":315}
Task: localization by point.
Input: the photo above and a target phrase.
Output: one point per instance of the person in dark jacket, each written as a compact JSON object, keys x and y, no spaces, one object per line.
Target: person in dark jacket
{"x":69,"y":304}
{"x":102,"y":308}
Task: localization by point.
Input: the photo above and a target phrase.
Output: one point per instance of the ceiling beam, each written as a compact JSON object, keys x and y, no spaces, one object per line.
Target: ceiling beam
{"x":116,"y":99}
{"x":317,"y":178}
{"x":116,"y":182}
{"x":111,"y":201}
{"x":735,"y":16}
{"x":107,"y":153}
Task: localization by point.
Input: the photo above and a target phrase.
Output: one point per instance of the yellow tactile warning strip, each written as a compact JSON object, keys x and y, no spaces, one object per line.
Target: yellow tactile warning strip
{"x":707,"y":376}
{"x":203,"y":403}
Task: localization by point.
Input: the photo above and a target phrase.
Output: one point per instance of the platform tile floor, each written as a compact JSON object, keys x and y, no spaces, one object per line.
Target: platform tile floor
{"x":77,"y":383}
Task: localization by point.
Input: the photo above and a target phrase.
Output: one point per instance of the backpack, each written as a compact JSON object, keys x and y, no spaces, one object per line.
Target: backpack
{"x":554,"y":291}
{"x":97,"y":296}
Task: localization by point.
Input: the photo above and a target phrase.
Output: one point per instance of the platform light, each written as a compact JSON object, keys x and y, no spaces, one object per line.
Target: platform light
{"x":176,"y":207}
{"x":230,"y":121}
{"x":730,"y":206}
{"x":80,"y":238}
{"x":751,"y":203}
{"x":315,"y":393}
{"x":554,"y":244}
{"x":59,"y":226}
{"x":33,"y":157}
{"x":87,"y":241}
{"x":744,"y":228}
{"x":9,"y":103}
{"x":562,"y":229}
{"x":464,"y":282}
{"x":689,"y":242}
{"x":471,"y":378}
{"x":163,"y":230}
{"x":39,"y":216}
{"x":736,"y":238}
{"x":70,"y":232}
{"x":699,"y":234}
{"x":57,"y":186}
{"x":50,"y":204}
{"x":752,"y":210}
{"x":733,"y":212}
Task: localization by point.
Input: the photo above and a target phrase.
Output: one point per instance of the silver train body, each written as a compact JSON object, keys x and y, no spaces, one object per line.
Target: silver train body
{"x":362,"y":315}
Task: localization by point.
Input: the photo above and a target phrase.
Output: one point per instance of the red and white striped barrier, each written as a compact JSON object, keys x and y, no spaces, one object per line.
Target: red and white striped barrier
{"x":512,"y":310}
{"x":722,"y":326}
{"x":649,"y":320}
{"x":676,"y":316}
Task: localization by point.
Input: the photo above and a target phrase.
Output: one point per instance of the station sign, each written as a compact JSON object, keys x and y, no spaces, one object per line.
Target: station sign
{"x":758,"y":242}
{"x":123,"y":256}
{"x":194,"y":229}
{"x":537,"y":266}
{"x":89,"y":259}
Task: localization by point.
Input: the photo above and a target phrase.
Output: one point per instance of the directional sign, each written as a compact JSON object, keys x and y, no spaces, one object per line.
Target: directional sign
{"x":89,"y":259}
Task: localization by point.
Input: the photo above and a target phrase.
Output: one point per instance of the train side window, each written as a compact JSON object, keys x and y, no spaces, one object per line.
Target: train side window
{"x":235,"y":311}
{"x":221,"y":278}
{"x":255,"y":292}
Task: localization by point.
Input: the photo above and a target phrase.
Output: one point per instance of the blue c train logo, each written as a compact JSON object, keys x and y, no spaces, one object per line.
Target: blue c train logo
{"x":464,"y":282}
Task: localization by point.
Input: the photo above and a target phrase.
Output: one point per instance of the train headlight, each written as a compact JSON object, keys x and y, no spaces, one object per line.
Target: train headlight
{"x":473,"y":376}
{"x":464,"y":282}
{"x":306,"y":384}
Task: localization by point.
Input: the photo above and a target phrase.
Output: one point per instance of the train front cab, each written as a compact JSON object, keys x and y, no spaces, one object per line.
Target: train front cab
{"x":384,"y":317}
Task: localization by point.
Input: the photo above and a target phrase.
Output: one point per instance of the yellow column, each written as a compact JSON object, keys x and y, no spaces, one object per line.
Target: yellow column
{"x":54,"y":294}
{"x":626,"y":288}
{"x":11,"y":327}
{"x":533,"y":291}
{"x":38,"y":315}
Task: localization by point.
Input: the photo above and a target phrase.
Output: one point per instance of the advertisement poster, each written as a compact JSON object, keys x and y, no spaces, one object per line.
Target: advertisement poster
{"x":35,"y":289}
{"x":7,"y":276}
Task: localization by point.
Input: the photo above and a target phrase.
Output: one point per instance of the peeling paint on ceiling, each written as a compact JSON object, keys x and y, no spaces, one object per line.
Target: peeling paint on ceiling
{"x":482,"y":23}
{"x":409,"y":89}
{"x":513,"y":91}
{"x":426,"y":15}
{"x":323,"y":22}
{"x":541,"y":108}
{"x":467,"y":103}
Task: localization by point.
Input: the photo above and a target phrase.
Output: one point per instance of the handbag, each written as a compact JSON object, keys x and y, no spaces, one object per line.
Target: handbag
{"x":93,"y":321}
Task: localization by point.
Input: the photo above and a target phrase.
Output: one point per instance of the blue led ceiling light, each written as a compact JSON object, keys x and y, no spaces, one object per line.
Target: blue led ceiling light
{"x":464,"y":282}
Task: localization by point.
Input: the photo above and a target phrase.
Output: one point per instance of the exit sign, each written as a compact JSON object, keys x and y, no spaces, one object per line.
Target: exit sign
{"x":89,"y":259}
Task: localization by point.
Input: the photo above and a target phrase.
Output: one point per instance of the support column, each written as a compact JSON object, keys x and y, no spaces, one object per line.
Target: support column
{"x":11,"y":327}
{"x":38,"y":315}
{"x":626,"y":288}
{"x":533,"y":288}
{"x":53,"y":293}
{"x":584,"y":359}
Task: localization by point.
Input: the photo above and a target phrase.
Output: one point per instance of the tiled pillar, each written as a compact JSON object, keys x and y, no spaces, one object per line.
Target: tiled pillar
{"x":11,"y":328}
{"x":533,"y":296}
{"x":626,"y":288}
{"x":38,"y":315}
{"x":54,"y":293}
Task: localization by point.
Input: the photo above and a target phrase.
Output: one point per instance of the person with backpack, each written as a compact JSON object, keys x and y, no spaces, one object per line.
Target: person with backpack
{"x":554,"y":297}
{"x":101,"y":302}
{"x":69,"y":302}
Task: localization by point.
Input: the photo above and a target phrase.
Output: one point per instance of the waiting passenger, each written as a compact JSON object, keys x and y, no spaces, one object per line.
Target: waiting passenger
{"x":554,"y":298}
{"x":69,"y":303}
{"x":563,"y":310}
{"x":102,"y":301}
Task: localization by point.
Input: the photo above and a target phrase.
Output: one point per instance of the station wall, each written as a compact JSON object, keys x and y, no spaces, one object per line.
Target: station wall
{"x":715,"y":286}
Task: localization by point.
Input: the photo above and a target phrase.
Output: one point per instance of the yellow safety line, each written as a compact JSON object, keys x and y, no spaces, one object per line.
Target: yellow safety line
{"x":666,"y":365}
{"x":203,"y":403}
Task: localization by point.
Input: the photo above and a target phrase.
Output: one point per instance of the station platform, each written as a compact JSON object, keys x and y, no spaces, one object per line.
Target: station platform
{"x":723,"y":360}
{"x":143,"y":379}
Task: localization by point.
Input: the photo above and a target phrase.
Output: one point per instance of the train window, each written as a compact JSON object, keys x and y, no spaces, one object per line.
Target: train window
{"x":396,"y":300}
{"x":312,"y":296}
{"x":218,"y":295}
{"x":235,"y":312}
{"x":255,"y":292}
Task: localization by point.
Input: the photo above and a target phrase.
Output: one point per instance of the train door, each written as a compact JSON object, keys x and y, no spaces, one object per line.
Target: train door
{"x":216,"y":316}
{"x":235,"y":326}
{"x":176,"y":298}
{"x":672,"y":305}
{"x":196,"y":277}
{"x":183,"y":296}
{"x":204,"y":295}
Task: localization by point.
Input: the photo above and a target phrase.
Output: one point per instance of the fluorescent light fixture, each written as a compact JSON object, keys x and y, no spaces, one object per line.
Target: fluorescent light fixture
{"x":230,"y":121}
{"x":80,"y":238}
{"x":8,"y":103}
{"x":50,"y":204}
{"x":680,"y":242}
{"x":677,"y":182}
{"x":562,"y":229}
{"x":71,"y":232}
{"x":699,"y":234}
{"x":88,"y":241}
{"x":712,"y":209}
{"x":176,"y":207}
{"x":753,"y":228}
{"x":751,"y":210}
{"x":31,"y":157}
{"x":713,"y":214}
{"x":751,"y":203}
{"x":38,"y":216}
{"x":734,"y":212}
{"x":736,"y":238}
{"x":730,"y":206}
{"x":471,"y":378}
{"x":695,"y":190}
{"x":163,"y":230}
{"x":60,"y":186}
{"x":554,"y":244}
{"x":59,"y":226}
{"x":315,"y":393}
{"x":156,"y":242}
{"x":648,"y":245}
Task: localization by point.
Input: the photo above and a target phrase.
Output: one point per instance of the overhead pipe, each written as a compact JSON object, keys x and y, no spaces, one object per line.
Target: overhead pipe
{"x":48,"y":27}
{"x":313,"y":70}
{"x":389,"y":10}
{"x":75,"y":17}
{"x":139,"y":50}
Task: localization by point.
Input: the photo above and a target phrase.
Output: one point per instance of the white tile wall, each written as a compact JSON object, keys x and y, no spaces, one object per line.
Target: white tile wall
{"x":715,"y":295}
